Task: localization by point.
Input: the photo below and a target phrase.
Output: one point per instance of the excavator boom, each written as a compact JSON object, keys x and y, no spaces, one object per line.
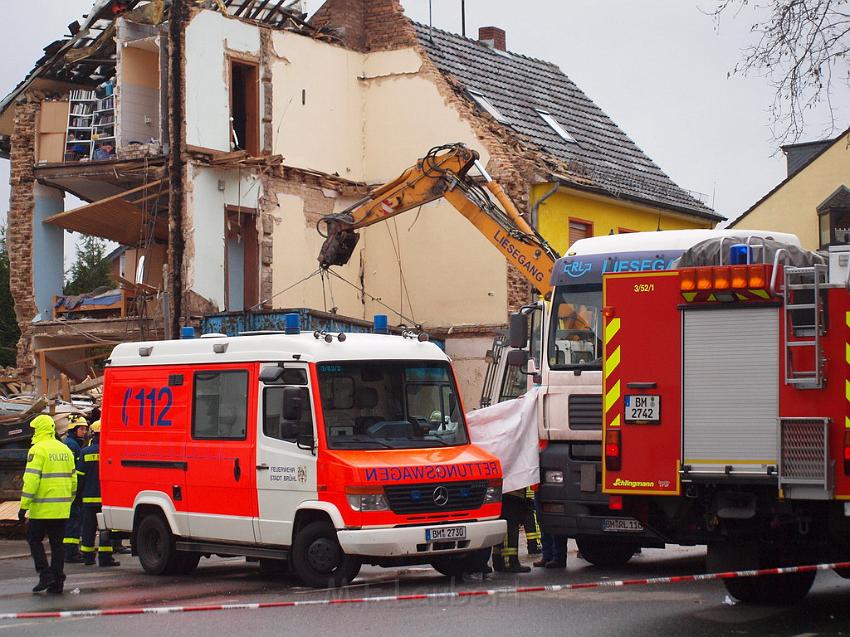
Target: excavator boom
{"x":443,"y":173}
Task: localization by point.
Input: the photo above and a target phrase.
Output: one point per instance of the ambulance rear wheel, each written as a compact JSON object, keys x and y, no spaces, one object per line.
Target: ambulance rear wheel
{"x":602,"y":551}
{"x":155,"y":546}
{"x":318,"y":560}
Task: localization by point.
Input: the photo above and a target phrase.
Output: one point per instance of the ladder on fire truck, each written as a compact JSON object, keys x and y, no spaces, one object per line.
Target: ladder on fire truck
{"x":803,"y":302}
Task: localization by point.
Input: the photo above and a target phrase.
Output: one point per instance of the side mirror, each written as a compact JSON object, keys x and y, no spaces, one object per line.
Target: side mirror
{"x":518,"y":330}
{"x":521,"y":358}
{"x":293,"y":403}
{"x":270,"y":375}
{"x":292,"y":425}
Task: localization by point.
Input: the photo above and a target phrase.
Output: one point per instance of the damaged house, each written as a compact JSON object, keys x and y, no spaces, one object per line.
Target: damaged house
{"x":208,"y":137}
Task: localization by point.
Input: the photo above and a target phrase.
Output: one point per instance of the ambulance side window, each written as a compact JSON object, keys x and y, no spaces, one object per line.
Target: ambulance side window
{"x":220,"y":406}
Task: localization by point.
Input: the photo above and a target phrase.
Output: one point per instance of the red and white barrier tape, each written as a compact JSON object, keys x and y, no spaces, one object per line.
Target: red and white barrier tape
{"x":549,"y":588}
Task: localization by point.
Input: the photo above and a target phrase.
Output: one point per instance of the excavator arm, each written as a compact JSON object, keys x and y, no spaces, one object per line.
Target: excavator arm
{"x":443,"y":173}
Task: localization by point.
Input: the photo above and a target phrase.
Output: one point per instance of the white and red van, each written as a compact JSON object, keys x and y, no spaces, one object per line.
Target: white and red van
{"x":326,"y":451}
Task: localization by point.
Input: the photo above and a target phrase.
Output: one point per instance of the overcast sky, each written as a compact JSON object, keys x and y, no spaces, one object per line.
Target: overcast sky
{"x":658,"y":68}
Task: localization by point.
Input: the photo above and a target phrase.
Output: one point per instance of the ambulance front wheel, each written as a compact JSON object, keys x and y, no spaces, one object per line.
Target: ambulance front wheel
{"x":317,"y":558}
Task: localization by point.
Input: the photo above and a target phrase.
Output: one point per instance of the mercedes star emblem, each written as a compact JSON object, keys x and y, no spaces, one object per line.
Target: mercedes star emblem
{"x":441,"y":496}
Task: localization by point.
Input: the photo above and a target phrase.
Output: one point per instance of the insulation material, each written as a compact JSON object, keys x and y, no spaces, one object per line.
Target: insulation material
{"x":708,"y":252}
{"x":508,"y":430}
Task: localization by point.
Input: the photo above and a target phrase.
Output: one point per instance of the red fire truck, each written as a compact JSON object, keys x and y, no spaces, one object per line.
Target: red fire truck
{"x":726,"y":413}
{"x":321,"y":450}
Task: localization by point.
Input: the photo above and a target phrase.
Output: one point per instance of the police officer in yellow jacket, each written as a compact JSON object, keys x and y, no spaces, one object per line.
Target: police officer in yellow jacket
{"x":49,"y":488}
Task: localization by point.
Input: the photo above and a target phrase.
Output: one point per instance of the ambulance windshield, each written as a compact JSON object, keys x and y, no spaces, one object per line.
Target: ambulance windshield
{"x":575,"y":332}
{"x":390,"y":404}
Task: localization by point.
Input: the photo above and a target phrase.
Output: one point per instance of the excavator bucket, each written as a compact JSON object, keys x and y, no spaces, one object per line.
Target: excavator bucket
{"x":338,"y":247}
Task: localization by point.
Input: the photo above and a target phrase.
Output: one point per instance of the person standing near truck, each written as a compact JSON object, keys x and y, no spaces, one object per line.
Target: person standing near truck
{"x":49,"y":488}
{"x":75,"y":439}
{"x":88,"y":475}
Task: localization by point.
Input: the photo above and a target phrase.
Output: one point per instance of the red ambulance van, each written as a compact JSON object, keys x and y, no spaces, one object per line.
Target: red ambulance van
{"x":327,"y":451}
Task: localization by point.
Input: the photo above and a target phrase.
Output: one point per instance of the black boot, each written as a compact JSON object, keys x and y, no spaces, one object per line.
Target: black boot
{"x":111,"y":561}
{"x":513,"y":566}
{"x":44,"y":582}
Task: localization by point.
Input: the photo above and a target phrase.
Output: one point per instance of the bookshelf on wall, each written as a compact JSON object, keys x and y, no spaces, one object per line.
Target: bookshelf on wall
{"x":78,"y":142}
{"x":91,"y":126}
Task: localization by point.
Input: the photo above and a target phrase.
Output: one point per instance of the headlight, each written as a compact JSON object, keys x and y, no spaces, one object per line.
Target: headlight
{"x":553,"y":477}
{"x":493,"y":492}
{"x":367,"y":501}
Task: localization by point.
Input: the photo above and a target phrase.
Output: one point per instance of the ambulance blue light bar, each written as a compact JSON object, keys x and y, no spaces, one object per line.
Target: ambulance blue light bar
{"x":291,"y":323}
{"x":382,"y":325}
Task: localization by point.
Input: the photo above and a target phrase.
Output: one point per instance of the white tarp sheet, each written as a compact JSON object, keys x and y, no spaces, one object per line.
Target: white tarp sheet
{"x":508,"y":430}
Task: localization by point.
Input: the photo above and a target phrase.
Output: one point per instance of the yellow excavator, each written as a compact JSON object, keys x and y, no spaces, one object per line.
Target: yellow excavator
{"x":444,"y":172}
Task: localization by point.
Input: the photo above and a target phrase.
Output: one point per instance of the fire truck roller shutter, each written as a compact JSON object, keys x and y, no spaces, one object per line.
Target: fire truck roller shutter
{"x":730,"y":389}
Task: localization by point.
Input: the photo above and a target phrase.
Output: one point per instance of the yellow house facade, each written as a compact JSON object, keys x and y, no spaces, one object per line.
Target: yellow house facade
{"x":563,"y":215}
{"x":811,"y":201}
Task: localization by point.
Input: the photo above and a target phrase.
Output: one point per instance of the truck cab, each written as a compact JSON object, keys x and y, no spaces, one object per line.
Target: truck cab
{"x":316,"y":451}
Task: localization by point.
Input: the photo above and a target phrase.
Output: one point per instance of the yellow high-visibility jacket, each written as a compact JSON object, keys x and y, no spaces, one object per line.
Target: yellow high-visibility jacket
{"x":50,"y":483}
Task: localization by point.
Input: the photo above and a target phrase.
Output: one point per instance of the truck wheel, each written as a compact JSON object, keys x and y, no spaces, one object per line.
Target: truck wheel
{"x":155,"y":545}
{"x":318,"y":560}
{"x":605,"y":552}
{"x":457,"y":565}
{"x":769,"y":589}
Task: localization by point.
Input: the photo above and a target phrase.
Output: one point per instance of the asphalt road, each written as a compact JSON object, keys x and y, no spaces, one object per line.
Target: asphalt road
{"x":693,"y":609}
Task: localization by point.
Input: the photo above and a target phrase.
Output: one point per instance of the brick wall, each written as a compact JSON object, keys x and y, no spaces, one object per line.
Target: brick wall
{"x":381,"y":25}
{"x":367,"y":25}
{"x":19,"y":232}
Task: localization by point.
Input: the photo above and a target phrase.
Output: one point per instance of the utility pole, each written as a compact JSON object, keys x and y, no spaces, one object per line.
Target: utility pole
{"x":177,"y":20}
{"x":463,"y":18}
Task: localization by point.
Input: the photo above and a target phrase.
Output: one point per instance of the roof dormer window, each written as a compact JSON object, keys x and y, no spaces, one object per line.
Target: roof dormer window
{"x":484,"y":103}
{"x":555,"y":126}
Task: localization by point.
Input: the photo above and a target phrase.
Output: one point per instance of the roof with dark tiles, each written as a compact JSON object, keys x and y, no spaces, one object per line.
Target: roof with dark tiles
{"x":517,"y":85}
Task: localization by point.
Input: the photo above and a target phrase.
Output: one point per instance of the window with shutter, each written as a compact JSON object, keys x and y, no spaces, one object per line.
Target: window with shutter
{"x":580,"y":230}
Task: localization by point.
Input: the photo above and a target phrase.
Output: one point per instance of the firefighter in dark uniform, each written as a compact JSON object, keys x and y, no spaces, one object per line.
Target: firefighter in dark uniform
{"x":530,"y":524}
{"x":506,"y":555}
{"x":88,"y":480}
{"x":75,"y":440}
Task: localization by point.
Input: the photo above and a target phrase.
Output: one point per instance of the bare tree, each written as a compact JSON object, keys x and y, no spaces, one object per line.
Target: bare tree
{"x":801,"y":47}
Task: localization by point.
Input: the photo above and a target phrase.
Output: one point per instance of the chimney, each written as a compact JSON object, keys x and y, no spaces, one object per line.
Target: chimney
{"x":494,"y":37}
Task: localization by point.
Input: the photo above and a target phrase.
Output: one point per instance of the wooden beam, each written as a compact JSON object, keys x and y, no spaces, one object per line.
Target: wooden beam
{"x":62,"y":348}
{"x":91,"y":383}
{"x":62,"y":369}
